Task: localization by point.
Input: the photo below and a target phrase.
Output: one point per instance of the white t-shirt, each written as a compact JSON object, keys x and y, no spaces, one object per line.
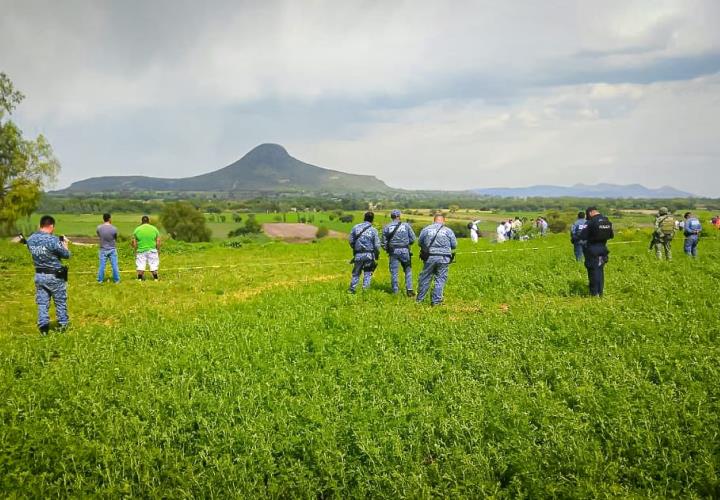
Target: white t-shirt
{"x":501,"y":232}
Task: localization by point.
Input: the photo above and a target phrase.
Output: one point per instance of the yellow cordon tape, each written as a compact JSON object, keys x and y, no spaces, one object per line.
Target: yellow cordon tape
{"x":311,"y":262}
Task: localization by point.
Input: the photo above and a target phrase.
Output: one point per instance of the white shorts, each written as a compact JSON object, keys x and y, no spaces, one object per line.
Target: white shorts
{"x":151,"y":258}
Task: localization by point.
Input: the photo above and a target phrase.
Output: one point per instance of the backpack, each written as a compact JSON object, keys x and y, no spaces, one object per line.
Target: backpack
{"x":667,"y":225}
{"x":600,"y":231}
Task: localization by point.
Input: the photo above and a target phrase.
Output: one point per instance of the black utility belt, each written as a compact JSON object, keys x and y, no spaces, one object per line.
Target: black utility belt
{"x":41,"y":270}
{"x":61,"y":273}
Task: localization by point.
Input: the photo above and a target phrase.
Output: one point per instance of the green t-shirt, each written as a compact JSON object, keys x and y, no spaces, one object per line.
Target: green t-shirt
{"x":146,"y":235}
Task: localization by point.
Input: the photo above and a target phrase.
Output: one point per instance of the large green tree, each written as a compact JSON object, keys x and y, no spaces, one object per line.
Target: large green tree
{"x":26,"y":166}
{"x":184,"y":222}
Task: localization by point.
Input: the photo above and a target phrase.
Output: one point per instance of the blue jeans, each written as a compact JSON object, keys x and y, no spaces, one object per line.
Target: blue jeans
{"x":578,"y":251}
{"x":112,"y":256}
{"x":691,"y":243}
{"x":434,"y":267}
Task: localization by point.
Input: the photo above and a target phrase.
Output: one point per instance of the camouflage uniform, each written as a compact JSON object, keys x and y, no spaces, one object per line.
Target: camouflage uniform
{"x":398,"y":250}
{"x":366,"y":249}
{"x":663,"y":242}
{"x":437,"y":264}
{"x":46,"y":251}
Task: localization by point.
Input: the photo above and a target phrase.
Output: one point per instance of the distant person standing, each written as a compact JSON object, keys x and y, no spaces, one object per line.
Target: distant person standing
{"x":397,"y":238}
{"x":542,"y":226}
{"x":146,"y":242}
{"x":108,"y":239}
{"x":575,"y":230}
{"x":437,"y":243}
{"x":664,"y":233}
{"x":595,"y":235}
{"x":365,"y":243}
{"x":516,"y":227}
{"x":716,"y":221}
{"x":691,"y":229}
{"x":50,"y":275}
{"x":475,"y":230}
{"x":500,"y":232}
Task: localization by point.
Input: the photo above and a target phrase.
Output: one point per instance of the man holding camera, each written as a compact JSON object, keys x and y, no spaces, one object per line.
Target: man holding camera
{"x":50,"y":275}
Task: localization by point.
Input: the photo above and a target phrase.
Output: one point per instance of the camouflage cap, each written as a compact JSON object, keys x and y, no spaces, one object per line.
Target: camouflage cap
{"x":395,"y":214}
{"x":663,"y":211}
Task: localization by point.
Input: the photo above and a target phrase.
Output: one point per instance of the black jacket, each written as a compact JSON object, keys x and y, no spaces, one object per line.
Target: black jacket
{"x":596,"y":234}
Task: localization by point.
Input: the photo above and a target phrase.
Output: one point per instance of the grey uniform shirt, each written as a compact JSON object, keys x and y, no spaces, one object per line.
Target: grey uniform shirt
{"x":108,"y":236}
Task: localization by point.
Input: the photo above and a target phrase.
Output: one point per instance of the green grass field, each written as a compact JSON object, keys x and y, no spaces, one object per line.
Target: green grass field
{"x":85,"y":224}
{"x":263,"y":377}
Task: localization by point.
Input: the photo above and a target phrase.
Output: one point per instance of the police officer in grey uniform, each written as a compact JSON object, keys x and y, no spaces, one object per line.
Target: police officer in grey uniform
{"x":437,"y":243}
{"x":365,"y":242}
{"x":397,"y":238}
{"x":50,"y":275}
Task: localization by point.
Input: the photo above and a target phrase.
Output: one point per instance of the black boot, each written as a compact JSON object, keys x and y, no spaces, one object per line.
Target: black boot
{"x":44,"y":329}
{"x":410,"y":293}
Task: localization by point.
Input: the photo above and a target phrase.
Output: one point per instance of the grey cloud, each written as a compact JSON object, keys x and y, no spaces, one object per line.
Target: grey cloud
{"x":168,"y":87}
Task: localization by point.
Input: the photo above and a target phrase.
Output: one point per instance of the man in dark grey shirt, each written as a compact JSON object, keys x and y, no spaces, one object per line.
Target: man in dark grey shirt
{"x":108,"y":237}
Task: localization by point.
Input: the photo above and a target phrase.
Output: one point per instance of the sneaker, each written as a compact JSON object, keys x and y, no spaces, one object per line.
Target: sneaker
{"x":410,"y":293}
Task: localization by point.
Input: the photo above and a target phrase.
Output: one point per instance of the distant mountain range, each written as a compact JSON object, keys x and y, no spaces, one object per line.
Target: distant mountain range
{"x":266,"y":168}
{"x":586,"y":191}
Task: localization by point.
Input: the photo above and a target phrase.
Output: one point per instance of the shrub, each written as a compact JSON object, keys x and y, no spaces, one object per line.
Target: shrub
{"x":559,"y":222}
{"x":321,"y":232}
{"x":252,"y":226}
{"x":346,"y":218}
{"x":184,"y":222}
{"x":460,"y":229}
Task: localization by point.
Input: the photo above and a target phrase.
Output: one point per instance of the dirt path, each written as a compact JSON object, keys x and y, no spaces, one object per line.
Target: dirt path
{"x":295,"y":232}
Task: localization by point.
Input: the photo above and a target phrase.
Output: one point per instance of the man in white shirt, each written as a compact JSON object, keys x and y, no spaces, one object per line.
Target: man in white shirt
{"x":475,"y":231}
{"x":501,"y":232}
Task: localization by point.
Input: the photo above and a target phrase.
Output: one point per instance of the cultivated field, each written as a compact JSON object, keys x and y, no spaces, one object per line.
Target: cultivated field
{"x":251,"y":372}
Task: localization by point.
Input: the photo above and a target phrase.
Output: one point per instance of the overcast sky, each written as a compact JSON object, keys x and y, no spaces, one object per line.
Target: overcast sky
{"x":436,"y":95}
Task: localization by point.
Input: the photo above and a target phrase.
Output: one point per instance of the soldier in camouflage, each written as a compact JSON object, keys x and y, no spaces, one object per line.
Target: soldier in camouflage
{"x":365,"y":242}
{"x":47,"y":250}
{"x":397,"y":238}
{"x":663,"y":234}
{"x":439,"y":242}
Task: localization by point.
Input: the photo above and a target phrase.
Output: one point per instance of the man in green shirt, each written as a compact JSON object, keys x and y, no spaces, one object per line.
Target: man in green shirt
{"x":146,"y":242}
